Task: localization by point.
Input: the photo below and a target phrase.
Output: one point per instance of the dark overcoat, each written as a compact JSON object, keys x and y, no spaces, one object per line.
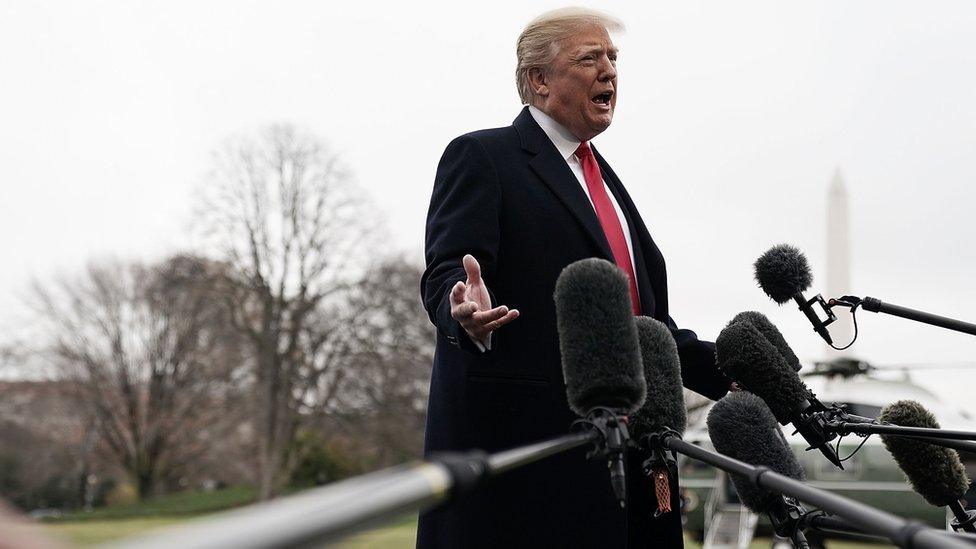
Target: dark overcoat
{"x":506,"y":196}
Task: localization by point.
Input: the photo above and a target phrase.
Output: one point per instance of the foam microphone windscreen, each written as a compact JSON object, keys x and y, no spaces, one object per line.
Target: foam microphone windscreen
{"x":936,"y":473}
{"x":745,"y":355}
{"x":771,"y":333}
{"x":783,"y":272}
{"x":664,"y":405}
{"x":598,"y":338}
{"x":742,"y":427}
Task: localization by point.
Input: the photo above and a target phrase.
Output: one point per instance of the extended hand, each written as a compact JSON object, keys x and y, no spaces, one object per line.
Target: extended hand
{"x":471,"y":305}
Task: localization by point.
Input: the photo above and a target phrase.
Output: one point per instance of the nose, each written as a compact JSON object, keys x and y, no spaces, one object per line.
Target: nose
{"x":608,"y":70}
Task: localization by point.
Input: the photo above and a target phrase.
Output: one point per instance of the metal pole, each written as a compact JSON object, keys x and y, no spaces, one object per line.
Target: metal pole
{"x":316,"y":515}
{"x":517,"y":457}
{"x":331,"y":512}
{"x":897,"y":430}
{"x":875,"y":305}
{"x":830,"y":524}
{"x":852,"y":423}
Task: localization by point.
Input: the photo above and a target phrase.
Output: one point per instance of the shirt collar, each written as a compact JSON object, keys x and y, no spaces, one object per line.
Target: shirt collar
{"x":566,"y":143}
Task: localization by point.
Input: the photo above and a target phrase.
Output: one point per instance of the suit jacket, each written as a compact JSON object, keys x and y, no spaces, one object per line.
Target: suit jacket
{"x":507,"y":196}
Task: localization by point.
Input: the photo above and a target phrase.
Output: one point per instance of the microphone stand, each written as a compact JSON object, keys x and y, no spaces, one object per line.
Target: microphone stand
{"x":809,"y":419}
{"x":810,"y":422}
{"x":839,"y":422}
{"x":819,"y":326}
{"x":875,"y":305}
{"x":903,"y":532}
{"x":790,"y":519}
{"x":608,"y":428}
{"x":822,"y":522}
{"x":963,"y":519}
{"x":787,"y":522}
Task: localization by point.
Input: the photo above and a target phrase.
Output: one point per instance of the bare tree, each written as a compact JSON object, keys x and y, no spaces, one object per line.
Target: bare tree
{"x":152,"y":358}
{"x":391,"y":350}
{"x":281,"y":209}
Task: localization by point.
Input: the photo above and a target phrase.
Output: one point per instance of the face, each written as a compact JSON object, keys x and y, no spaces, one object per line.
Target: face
{"x":580,"y":88}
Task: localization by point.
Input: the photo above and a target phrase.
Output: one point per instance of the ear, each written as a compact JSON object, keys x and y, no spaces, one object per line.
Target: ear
{"x":538,"y":81}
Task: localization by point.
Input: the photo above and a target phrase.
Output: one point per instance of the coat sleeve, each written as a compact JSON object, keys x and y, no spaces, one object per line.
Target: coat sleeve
{"x":698,"y":369}
{"x":462,"y":219}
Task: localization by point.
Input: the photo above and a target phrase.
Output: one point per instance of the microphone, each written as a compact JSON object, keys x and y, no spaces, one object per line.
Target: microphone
{"x":663,"y":411}
{"x":664,"y":407}
{"x":601,"y":358}
{"x":745,"y":355}
{"x":784,"y":274}
{"x":772,"y":334}
{"x":934,"y":472}
{"x":742,"y":427}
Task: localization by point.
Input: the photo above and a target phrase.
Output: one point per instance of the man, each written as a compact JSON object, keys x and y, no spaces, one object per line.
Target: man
{"x":511,"y":207}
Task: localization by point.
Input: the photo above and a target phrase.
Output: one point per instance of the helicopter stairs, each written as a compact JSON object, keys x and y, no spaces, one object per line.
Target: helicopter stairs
{"x":728,"y":523}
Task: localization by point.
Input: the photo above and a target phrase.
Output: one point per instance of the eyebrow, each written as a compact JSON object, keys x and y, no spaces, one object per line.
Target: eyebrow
{"x":596,"y":48}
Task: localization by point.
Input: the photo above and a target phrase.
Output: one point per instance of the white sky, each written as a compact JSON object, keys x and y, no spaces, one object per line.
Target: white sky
{"x":731,"y":119}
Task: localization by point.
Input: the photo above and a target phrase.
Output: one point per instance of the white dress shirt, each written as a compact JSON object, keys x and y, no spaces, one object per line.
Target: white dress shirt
{"x":567,"y":143}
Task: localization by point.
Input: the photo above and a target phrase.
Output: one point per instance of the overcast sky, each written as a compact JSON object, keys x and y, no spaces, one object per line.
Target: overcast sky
{"x":732,"y":117}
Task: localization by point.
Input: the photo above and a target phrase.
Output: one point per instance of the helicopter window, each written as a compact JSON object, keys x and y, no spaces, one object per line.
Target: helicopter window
{"x":858,"y":409}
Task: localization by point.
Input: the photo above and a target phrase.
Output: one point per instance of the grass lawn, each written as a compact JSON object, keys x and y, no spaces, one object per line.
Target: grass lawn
{"x":111,"y":523}
{"x":92,"y":532}
{"x":184,"y":504}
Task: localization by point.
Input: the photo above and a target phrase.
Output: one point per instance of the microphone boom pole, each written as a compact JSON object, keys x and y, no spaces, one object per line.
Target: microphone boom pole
{"x":331,"y":512}
{"x":820,"y":522}
{"x":842,"y":423}
{"x":846,"y":427}
{"x":875,"y":305}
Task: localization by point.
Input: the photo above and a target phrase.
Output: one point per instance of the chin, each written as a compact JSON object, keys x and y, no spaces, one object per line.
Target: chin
{"x":600,"y":124}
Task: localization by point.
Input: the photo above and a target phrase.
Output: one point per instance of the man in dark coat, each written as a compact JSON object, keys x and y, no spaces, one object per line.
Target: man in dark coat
{"x":511,"y":207}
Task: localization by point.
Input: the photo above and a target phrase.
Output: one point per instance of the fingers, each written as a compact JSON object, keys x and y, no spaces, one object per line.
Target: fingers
{"x":484,"y":317}
{"x":472,"y":269}
{"x":465,"y":308}
{"x":457,"y":293}
{"x":462,"y":312}
{"x":479,"y":323}
{"x":505,"y":319}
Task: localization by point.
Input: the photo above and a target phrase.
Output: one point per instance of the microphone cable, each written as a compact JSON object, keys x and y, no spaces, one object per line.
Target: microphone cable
{"x":852,"y":302}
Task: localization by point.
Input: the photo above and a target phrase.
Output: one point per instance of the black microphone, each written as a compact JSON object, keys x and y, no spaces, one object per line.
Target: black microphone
{"x":664,"y":407}
{"x":663,"y":411}
{"x":745,"y":355}
{"x":934,"y":472}
{"x":742,"y":427}
{"x":772,"y":334}
{"x":601,"y":357}
{"x":784,"y":274}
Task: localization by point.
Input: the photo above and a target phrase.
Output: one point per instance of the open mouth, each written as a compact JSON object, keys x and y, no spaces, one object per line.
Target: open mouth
{"x":603,"y":99}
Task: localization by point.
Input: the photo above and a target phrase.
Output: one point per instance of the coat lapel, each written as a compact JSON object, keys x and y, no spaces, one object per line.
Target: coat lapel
{"x":556,"y":174}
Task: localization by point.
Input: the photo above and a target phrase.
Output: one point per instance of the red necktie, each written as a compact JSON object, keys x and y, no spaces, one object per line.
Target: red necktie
{"x":607,"y":215}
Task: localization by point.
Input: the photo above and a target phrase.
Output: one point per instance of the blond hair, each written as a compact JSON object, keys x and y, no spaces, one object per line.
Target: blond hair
{"x":538,"y":45}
